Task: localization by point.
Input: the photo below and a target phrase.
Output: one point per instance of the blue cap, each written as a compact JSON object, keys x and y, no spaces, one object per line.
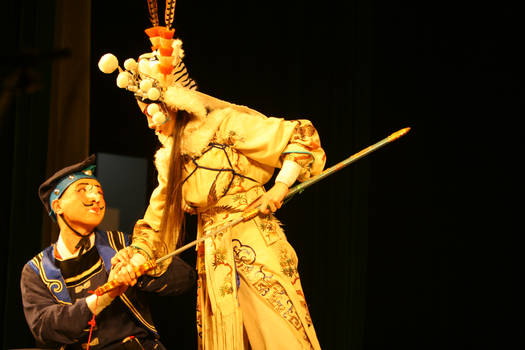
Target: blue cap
{"x":54,"y":187}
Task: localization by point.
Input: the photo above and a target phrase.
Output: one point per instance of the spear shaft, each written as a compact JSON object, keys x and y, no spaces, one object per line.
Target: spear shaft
{"x":293,"y":191}
{"x":140,"y":270}
{"x":300,"y":187}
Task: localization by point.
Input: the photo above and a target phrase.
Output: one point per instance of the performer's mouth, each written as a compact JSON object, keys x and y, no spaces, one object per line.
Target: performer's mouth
{"x":94,"y":208}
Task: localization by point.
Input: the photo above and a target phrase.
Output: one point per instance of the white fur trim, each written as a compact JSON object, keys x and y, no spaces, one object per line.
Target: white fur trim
{"x":162,"y":156}
{"x":207,"y":113}
{"x":195,"y":139}
{"x":199,"y":132}
{"x":177,"y":97}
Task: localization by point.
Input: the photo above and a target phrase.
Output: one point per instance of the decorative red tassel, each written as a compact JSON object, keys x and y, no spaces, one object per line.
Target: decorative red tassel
{"x":92,"y":323}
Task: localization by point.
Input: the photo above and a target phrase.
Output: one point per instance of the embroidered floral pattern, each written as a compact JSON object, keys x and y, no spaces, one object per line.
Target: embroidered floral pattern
{"x":217,"y":214}
{"x":226,"y":289}
{"x":232,"y":138}
{"x":268,"y":225}
{"x":219,"y":258}
{"x":288,"y":266}
{"x":239,"y":198}
{"x":307,"y":130}
{"x":303,"y":131}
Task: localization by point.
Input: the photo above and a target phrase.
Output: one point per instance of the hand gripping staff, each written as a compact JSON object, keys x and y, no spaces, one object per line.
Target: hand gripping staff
{"x":142,"y":269}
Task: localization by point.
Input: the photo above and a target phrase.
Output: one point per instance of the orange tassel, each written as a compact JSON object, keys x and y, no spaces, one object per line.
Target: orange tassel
{"x":166,"y":51}
{"x":167,"y":33}
{"x":165,"y":69}
{"x":153,"y":31}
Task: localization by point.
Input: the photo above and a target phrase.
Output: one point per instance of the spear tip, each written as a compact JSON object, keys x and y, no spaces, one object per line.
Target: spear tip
{"x":398,"y":134}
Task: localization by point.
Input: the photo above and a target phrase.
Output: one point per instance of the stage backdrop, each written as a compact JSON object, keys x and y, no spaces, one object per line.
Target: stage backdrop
{"x":409,"y":248}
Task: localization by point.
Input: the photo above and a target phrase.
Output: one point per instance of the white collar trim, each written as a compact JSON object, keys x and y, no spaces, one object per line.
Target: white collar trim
{"x":64,"y":252}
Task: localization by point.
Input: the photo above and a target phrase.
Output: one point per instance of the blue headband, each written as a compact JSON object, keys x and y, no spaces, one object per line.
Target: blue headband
{"x":66,"y":182}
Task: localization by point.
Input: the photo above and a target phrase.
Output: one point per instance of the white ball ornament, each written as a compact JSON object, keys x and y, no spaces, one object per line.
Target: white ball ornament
{"x":153,"y":108}
{"x":108,"y":63}
{"x":130,"y":64}
{"x":158,"y":118}
{"x":146,"y":84}
{"x":153,"y":94}
{"x":123,"y":80}
{"x":143,"y":67}
{"x":153,"y":66}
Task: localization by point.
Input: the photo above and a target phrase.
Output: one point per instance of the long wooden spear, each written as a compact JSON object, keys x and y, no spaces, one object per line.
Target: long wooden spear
{"x":140,"y":270}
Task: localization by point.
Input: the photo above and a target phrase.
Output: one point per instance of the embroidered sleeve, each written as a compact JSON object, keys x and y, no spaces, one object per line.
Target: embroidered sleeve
{"x":50,"y":321}
{"x":270,"y":141}
{"x":146,"y":233}
{"x":304,"y":148}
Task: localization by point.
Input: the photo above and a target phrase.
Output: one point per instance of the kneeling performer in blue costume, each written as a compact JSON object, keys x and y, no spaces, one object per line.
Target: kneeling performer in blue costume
{"x":57,"y":284}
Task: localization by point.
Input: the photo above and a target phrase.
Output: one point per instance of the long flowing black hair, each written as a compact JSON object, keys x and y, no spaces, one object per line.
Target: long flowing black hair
{"x":172,"y":223}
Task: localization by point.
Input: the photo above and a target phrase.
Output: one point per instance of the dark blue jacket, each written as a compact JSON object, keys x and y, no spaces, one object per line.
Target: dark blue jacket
{"x":55,"y":318}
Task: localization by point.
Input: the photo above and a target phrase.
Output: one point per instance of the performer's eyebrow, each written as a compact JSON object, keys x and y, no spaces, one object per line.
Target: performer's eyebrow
{"x":87,"y":184}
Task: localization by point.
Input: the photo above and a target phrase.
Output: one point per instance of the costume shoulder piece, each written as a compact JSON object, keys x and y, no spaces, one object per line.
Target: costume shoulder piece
{"x":110,"y":242}
{"x":116,"y":239}
{"x":44,"y":266}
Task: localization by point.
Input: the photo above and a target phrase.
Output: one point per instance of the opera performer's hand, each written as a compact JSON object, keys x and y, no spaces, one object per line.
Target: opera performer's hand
{"x":271,"y":200}
{"x":113,"y":275}
{"x":125,"y":271}
{"x":122,"y":256}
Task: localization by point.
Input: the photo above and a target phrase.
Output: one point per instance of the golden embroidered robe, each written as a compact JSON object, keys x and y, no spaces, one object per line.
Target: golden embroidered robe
{"x":229,"y":155}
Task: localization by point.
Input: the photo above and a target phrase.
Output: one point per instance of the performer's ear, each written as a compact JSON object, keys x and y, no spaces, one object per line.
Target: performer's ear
{"x":57,"y":207}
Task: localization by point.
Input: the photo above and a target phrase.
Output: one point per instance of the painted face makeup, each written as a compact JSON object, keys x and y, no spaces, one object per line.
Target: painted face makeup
{"x":158,"y":118}
{"x":83,"y":204}
{"x":90,"y":195}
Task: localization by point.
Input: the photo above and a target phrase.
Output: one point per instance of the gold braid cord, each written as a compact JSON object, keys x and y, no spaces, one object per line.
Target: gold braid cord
{"x":139,"y":271}
{"x":153,"y":12}
{"x":169,"y":13}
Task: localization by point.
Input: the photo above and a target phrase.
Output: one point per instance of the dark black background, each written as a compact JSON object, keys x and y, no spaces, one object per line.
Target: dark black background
{"x":414,"y":247}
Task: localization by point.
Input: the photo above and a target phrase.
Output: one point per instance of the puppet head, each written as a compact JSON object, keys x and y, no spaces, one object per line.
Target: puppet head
{"x":158,"y":78}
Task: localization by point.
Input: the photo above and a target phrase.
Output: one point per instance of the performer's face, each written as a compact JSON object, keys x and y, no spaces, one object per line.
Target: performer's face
{"x":165,"y":128}
{"x":82,"y":204}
